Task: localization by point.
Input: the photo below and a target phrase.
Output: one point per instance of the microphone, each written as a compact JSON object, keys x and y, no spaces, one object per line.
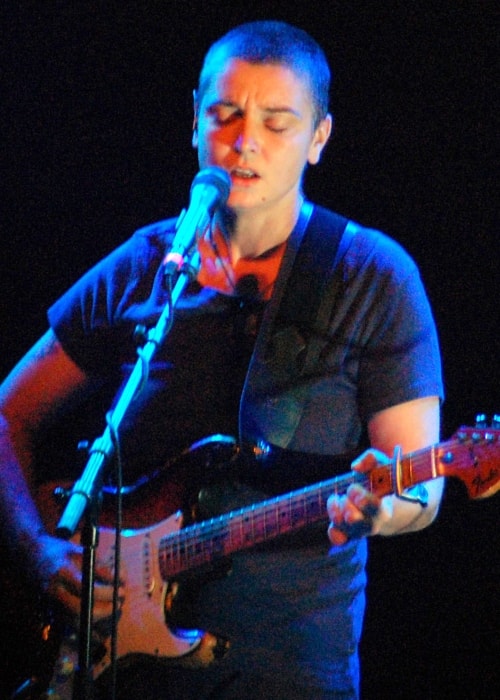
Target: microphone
{"x":210,"y":190}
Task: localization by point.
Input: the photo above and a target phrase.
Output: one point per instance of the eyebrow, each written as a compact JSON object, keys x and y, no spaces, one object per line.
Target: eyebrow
{"x":269,"y":110}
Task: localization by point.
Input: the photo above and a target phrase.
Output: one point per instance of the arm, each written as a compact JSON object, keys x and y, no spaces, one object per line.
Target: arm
{"x":411,"y":425}
{"x":42,"y":384}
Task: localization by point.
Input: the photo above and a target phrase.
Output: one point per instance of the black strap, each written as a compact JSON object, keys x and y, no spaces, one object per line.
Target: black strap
{"x":305,"y":303}
{"x":293,"y":329}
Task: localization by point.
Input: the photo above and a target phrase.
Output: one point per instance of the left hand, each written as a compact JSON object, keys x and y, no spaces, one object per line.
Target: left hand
{"x":359,"y":512}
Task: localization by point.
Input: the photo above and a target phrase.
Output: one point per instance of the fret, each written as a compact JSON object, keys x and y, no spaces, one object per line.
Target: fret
{"x":298,"y":510}
{"x":433,"y":462}
{"x":252,"y":511}
{"x":284,"y":513}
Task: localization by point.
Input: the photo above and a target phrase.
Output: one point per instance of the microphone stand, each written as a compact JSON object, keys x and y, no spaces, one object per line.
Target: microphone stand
{"x":84,"y":499}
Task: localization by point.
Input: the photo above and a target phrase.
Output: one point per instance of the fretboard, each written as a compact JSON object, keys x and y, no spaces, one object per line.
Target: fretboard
{"x":206,"y":542}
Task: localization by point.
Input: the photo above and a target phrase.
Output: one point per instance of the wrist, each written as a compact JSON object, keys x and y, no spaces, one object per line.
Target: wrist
{"x":399,"y":516}
{"x":384,"y":516}
{"x":32,"y":555}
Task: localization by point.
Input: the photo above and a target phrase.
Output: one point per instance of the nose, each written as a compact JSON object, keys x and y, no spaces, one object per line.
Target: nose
{"x":247,"y":139}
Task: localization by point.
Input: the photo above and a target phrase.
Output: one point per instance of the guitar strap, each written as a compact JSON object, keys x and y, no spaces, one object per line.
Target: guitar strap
{"x":294,"y":327}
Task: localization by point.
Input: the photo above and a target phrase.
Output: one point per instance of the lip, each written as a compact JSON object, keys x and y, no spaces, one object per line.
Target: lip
{"x":242,"y":180}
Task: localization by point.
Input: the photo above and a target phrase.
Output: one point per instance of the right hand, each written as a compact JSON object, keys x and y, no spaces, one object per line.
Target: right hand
{"x":59,"y":569}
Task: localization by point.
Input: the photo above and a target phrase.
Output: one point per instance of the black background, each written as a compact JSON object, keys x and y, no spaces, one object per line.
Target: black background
{"x":96,"y":127}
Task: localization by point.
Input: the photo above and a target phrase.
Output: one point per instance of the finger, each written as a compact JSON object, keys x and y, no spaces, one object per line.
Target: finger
{"x":336,"y":536}
{"x":365,"y":501}
{"x":68,"y":577}
{"x":104,"y":574}
{"x":103,"y":592}
{"x":368,"y":460}
{"x":102,"y":610}
{"x":62,"y":592}
{"x":350,"y":515}
{"x":341,"y":534}
{"x":342,"y":510}
{"x":334,"y":508}
{"x":72,"y":604}
{"x":65,"y":597}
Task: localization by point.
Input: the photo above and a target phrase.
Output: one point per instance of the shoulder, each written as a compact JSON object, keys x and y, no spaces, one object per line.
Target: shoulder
{"x":145,"y":247}
{"x":364,"y":245}
{"x":369,"y":250}
{"x":126,"y":271}
{"x":157,"y":233}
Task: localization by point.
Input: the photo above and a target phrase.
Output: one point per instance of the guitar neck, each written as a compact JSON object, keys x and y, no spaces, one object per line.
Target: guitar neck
{"x":471,"y":455}
{"x":206,"y":542}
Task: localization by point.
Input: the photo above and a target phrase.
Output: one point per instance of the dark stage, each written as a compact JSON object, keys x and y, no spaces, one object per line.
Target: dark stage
{"x":96,"y":126}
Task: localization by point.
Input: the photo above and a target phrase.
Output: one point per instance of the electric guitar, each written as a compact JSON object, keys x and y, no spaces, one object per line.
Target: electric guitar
{"x":154,"y":557}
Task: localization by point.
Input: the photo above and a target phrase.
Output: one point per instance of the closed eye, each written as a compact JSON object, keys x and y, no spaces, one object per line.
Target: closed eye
{"x":277,"y":128}
{"x":224,"y":114}
{"x":279,"y":120}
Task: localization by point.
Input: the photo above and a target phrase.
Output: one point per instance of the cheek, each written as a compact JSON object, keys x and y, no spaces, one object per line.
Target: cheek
{"x":293,"y":162}
{"x":208,"y":142}
{"x":202,"y":145}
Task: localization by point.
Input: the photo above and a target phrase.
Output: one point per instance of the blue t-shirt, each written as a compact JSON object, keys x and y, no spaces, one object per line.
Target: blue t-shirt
{"x":293,"y":608}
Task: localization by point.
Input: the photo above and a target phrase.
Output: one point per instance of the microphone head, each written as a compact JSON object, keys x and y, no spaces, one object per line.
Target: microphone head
{"x":216,"y":185}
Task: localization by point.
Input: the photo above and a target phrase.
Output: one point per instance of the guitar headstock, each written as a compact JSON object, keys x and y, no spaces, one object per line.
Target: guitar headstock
{"x":475,"y":458}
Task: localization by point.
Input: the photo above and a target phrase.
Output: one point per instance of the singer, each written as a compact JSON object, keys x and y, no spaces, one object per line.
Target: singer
{"x":301,"y":330}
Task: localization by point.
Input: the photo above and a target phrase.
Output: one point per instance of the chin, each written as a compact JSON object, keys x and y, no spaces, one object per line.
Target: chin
{"x":239,"y":202}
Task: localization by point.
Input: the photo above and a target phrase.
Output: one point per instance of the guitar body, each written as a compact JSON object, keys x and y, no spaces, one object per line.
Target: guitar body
{"x":150,"y":602}
{"x":142,"y":627}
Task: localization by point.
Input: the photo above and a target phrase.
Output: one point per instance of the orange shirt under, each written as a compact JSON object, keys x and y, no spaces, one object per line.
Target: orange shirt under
{"x":217,"y":271}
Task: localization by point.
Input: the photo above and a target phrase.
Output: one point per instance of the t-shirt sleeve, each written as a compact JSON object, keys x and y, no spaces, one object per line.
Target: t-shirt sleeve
{"x":95,"y":319}
{"x":400,"y":360}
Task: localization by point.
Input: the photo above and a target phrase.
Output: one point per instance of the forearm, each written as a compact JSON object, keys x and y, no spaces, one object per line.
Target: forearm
{"x":410,"y":426}
{"x":41,"y":386}
{"x":22,"y":521}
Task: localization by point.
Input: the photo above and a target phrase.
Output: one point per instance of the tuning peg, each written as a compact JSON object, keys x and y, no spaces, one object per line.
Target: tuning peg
{"x":481,"y":420}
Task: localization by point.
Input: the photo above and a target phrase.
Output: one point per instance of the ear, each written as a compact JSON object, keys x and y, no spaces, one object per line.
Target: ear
{"x":320,"y":139}
{"x":194,"y":140}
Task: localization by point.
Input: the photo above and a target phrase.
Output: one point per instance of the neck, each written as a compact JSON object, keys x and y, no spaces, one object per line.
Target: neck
{"x":250,"y":234}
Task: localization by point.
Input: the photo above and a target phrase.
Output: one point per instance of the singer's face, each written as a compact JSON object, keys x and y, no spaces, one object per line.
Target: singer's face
{"x":256,"y":122}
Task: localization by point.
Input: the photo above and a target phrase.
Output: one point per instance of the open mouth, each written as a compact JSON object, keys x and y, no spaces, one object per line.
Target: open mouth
{"x":244,"y":174}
